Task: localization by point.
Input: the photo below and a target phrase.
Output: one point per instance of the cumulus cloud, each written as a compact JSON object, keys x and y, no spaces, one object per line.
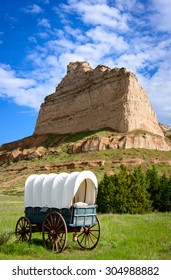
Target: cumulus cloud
{"x":32,"y":9}
{"x":100,"y":34}
{"x":44,"y":22}
{"x":15,"y":87}
{"x":161,"y":15}
{"x":98,"y":13}
{"x":25,"y":90}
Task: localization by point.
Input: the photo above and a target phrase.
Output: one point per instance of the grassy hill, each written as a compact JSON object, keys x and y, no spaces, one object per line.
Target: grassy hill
{"x":54,"y":157}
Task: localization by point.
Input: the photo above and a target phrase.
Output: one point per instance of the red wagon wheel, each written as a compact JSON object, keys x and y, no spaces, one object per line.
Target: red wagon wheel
{"x":23,"y":229}
{"x":54,"y":232}
{"x":89,"y":237}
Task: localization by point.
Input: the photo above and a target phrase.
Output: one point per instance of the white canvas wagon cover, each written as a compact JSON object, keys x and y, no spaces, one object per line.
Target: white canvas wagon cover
{"x":60,"y":190}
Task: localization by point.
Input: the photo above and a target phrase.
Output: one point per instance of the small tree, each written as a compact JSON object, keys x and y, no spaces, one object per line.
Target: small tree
{"x":105,"y":194}
{"x":122,"y":182}
{"x":164,"y":196}
{"x":139,"y":201}
{"x":153,"y":181}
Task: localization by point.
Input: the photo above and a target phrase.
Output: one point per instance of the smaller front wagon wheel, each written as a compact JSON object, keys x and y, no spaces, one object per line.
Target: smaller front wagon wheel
{"x":89,"y":236}
{"x":23,"y":229}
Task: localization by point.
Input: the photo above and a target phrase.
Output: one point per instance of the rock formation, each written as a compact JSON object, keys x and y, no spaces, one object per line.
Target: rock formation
{"x":151,"y":142}
{"x":89,"y":99}
{"x":34,"y":146}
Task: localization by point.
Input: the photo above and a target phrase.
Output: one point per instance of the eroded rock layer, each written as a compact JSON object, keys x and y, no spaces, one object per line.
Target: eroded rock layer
{"x":89,"y":99}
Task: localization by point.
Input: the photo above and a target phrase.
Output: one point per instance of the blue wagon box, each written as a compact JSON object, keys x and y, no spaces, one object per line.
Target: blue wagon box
{"x":84,"y":215}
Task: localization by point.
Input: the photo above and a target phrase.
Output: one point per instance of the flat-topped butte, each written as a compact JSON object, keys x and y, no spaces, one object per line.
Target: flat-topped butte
{"x":89,"y":99}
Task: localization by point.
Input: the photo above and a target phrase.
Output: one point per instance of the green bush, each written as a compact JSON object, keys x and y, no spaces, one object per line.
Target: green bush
{"x":124,"y":192}
{"x":159,"y":189}
{"x":134,"y":192}
{"x":165,"y":194}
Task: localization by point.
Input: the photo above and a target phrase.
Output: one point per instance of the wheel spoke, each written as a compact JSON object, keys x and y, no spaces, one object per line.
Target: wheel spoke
{"x":51,"y":219}
{"x":93,"y":235}
{"x":58,"y":228}
{"x":82,"y":238}
{"x":92,"y":240}
{"x":58,"y":222}
{"x":80,"y":234}
{"x":47,"y":227}
{"x":49,"y":222}
{"x":20,"y":226}
{"x":85,"y":240}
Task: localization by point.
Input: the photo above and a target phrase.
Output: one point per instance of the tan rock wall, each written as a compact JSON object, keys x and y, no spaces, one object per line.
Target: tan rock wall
{"x":88,"y":99}
{"x":145,"y":141}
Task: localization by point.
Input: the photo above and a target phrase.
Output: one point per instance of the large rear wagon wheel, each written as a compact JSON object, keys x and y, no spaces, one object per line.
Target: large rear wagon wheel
{"x":89,"y":236}
{"x":23,"y":229}
{"x":54,"y":232}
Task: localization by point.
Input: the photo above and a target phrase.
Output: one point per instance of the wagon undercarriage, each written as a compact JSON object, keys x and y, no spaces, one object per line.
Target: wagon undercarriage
{"x":55,"y":230}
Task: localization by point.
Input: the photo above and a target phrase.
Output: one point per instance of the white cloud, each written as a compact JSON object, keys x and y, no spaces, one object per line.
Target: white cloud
{"x":76,"y":33}
{"x":161,"y":18}
{"x":32,"y":9}
{"x":98,"y":13}
{"x":43,"y":35}
{"x":7,"y":75}
{"x":44,"y":22}
{"x":62,"y":44}
{"x":129,"y":5}
{"x":25,"y":90}
{"x":159,"y":90}
{"x":32,"y":39}
{"x":17,"y":88}
{"x":133,"y":62}
{"x":1,"y":41}
{"x":101,"y":35}
{"x":51,"y":60}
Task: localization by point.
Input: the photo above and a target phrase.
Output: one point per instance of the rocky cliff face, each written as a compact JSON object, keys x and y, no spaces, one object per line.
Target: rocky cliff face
{"x":146,"y":141}
{"x":89,"y":99}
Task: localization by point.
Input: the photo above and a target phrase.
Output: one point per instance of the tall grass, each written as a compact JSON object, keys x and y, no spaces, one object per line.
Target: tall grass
{"x":122,"y":237}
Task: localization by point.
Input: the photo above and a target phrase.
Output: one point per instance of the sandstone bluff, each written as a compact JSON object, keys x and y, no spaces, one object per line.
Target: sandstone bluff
{"x":89,"y":99}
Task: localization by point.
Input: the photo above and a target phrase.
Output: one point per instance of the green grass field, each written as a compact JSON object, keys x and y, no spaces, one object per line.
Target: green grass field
{"x":123,"y":237}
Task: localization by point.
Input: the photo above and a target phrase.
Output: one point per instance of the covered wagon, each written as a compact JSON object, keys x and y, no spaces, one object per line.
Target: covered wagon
{"x":57,"y":204}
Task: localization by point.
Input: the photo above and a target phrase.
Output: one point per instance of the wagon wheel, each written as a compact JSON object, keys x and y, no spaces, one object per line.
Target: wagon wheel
{"x":54,"y":232}
{"x":23,"y":229}
{"x":89,"y":237}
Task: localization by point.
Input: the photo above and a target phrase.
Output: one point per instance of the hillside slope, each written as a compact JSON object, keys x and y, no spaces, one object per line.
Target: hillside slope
{"x":94,"y":151}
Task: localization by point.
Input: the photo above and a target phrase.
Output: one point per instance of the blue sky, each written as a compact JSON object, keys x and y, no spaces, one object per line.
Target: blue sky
{"x":38,"y":38}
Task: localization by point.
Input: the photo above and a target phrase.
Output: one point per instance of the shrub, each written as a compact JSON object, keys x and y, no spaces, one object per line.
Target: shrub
{"x":160,"y":190}
{"x":165,"y":194}
{"x":153,"y":180}
{"x":105,"y":194}
{"x":6,"y":238}
{"x":124,"y":192}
